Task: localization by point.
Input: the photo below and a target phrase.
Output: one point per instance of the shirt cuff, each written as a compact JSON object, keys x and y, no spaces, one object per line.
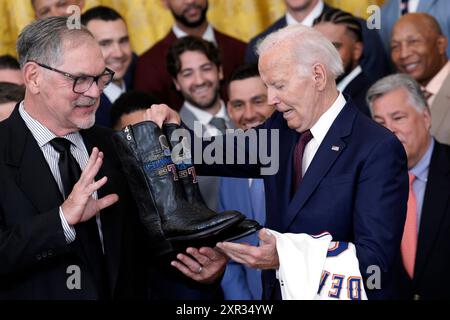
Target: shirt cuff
{"x":69,"y":231}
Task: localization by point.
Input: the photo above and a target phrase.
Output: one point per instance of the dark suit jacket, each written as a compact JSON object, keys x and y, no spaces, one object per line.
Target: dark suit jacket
{"x":357,"y":193}
{"x":357,"y":90}
{"x":34,"y":254}
{"x":152,"y":75}
{"x":431,"y":279}
{"x":103,"y":114}
{"x":374,"y":61}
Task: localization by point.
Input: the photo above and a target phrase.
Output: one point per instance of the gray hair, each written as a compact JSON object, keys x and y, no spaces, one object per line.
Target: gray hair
{"x":309,"y":47}
{"x":43,"y":40}
{"x":393,"y":82}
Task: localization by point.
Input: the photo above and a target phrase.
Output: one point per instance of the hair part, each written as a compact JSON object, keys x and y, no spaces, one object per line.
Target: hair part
{"x":394,"y":82}
{"x":339,"y":17}
{"x":190,"y":43}
{"x":44,"y":40}
{"x":100,"y":13}
{"x":308,"y":47}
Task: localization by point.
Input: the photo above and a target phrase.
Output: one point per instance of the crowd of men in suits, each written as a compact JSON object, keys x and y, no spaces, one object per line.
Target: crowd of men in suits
{"x":317,"y":73}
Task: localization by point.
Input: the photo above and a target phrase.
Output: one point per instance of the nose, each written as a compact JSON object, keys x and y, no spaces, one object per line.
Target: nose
{"x":93,"y":91}
{"x":116,"y":50}
{"x":272,"y":97}
{"x":199,"y":79}
{"x":404,"y":50}
{"x":249,"y":112}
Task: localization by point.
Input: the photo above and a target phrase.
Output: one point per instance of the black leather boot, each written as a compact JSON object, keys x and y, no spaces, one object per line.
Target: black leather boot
{"x":171,"y":222}
{"x":182,"y":158}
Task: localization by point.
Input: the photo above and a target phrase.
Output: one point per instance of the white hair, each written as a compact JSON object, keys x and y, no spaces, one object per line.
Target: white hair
{"x":309,"y":47}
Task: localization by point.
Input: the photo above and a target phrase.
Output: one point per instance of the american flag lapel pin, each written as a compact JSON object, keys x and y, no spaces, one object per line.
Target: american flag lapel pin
{"x":335,"y":148}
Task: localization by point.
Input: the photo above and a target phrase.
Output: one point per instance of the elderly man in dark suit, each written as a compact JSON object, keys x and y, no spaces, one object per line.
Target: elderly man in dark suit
{"x":339,"y":170}
{"x":190,"y":19}
{"x":68,"y":226}
{"x":398,"y":104}
{"x":374,"y":59}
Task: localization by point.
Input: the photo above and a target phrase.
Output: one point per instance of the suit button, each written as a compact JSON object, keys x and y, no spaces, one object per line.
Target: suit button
{"x":39,"y":257}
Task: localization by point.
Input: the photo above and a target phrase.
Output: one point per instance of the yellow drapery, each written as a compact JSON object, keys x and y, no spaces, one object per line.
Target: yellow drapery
{"x":148,"y":21}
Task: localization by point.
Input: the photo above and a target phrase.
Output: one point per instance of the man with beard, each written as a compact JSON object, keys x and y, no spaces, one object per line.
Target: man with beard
{"x":111,"y":33}
{"x":54,"y":8}
{"x":190,"y":19}
{"x":374,"y":59}
{"x":196,"y":71}
{"x":344,"y":32}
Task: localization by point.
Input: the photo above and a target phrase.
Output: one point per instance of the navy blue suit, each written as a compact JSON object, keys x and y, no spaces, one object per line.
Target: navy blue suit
{"x":357,"y":90}
{"x":374,"y":61}
{"x":103,"y":114}
{"x":356,"y":188}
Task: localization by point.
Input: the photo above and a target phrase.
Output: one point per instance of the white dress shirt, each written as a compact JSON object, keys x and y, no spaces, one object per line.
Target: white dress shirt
{"x":114,"y":91}
{"x":348,"y":78}
{"x":320,"y":130}
{"x":309,"y":19}
{"x":208,"y":35}
{"x":205,"y":117}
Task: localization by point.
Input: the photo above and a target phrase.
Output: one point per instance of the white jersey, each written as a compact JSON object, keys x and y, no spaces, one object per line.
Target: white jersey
{"x":315,"y":268}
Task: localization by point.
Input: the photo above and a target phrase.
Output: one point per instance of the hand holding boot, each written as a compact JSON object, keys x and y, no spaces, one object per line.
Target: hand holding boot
{"x":160,"y":114}
{"x":204,"y":265}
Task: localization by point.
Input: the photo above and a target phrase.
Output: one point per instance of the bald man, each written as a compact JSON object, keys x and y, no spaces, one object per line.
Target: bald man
{"x":418,"y":49}
{"x":54,"y":8}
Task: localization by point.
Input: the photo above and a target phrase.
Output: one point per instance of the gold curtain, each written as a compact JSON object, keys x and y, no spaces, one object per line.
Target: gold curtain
{"x":148,"y":21}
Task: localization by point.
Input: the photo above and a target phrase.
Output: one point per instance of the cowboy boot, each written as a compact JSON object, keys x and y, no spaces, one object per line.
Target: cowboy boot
{"x":171,"y":221}
{"x":182,"y":157}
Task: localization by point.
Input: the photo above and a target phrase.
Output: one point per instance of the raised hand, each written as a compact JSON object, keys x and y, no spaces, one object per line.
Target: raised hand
{"x":80,"y":205}
{"x":160,"y":114}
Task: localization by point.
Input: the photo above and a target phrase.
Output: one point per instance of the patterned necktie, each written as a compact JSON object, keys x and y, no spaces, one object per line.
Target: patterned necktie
{"x":409,"y":240}
{"x":404,"y":7}
{"x":219,"y":123}
{"x":298,"y":157}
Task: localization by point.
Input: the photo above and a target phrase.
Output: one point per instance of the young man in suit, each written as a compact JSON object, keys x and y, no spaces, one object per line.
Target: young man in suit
{"x":398,"y":104}
{"x":54,"y":8}
{"x":344,"y":32}
{"x":418,"y":49}
{"x":247,"y":108}
{"x":351,"y":179}
{"x":111,"y":32}
{"x":374,"y":59}
{"x":196,"y":70}
{"x":68,"y":226}
{"x":190,"y":19}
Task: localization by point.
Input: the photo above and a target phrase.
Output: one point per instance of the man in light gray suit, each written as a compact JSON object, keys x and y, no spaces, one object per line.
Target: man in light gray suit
{"x":194,"y":65}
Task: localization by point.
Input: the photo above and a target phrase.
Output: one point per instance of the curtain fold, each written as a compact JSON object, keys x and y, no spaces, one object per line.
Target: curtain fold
{"x":148,"y":21}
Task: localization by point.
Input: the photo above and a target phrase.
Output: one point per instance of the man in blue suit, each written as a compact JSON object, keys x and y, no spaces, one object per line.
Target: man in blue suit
{"x":111,"y":33}
{"x":351,"y":180}
{"x":374,"y":59}
{"x":247,"y":107}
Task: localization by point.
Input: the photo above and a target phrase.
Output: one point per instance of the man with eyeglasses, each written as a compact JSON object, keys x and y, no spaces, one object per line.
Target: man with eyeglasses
{"x":68,"y":225}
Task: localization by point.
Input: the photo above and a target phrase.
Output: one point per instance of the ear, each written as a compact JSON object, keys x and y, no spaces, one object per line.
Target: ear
{"x":442,"y":43}
{"x":357,"y":51}
{"x":32,"y":77}
{"x":427,"y":117}
{"x":177,"y":85}
{"x":319,"y":76}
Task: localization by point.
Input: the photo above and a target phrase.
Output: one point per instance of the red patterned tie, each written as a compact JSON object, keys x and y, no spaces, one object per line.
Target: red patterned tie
{"x":409,"y":240}
{"x":298,"y":157}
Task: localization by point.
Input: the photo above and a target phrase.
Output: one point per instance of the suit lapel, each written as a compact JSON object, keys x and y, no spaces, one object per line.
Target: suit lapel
{"x":440,"y":108}
{"x":111,"y":219}
{"x":435,"y":206}
{"x":323,"y":160}
{"x":34,"y":175}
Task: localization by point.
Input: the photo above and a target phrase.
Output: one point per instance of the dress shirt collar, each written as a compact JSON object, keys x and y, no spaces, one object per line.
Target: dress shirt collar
{"x":42,"y":134}
{"x":309,"y":19}
{"x":114,"y":91}
{"x":420,"y":170}
{"x":321,"y":127}
{"x":349,"y":78}
{"x":205,"y":117}
{"x":435,"y":84}
{"x":208,"y":35}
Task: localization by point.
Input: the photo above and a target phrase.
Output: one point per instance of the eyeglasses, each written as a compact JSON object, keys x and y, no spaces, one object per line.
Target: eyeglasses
{"x":81,"y":84}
